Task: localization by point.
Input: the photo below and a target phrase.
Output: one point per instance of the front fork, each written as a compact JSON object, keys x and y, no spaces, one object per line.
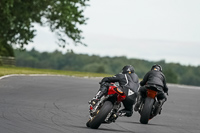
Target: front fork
{"x":96,"y":108}
{"x":112,"y":116}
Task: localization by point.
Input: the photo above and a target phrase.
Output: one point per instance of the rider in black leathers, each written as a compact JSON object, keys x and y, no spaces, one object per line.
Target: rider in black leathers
{"x":156,"y":78}
{"x":129,"y":82}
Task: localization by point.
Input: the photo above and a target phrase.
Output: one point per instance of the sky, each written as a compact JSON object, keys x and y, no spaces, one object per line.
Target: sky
{"x":144,"y":29}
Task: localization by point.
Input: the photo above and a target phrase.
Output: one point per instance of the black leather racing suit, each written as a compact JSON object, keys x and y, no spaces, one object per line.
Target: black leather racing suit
{"x":157,"y":78}
{"x":130,"y":85}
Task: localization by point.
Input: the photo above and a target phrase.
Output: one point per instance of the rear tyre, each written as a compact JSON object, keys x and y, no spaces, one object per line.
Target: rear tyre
{"x":101,"y":115}
{"x":146,"y":111}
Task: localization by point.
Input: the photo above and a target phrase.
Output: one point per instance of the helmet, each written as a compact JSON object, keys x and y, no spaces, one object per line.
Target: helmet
{"x":156,"y":67}
{"x":128,"y":69}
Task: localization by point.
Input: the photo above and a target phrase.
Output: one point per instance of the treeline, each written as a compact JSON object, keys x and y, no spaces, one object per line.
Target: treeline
{"x":174,"y":72}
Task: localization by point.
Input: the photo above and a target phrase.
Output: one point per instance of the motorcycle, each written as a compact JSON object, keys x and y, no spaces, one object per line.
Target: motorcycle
{"x":106,"y":109}
{"x":149,"y":106}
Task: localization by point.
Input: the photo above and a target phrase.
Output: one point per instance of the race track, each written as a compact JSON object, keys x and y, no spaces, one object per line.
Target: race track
{"x":58,"y":104}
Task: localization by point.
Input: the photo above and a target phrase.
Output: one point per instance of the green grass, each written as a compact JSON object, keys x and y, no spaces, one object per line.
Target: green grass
{"x":8,"y":70}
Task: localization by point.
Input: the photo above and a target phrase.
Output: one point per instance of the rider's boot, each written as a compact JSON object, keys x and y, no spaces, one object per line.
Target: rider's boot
{"x":160,"y":104}
{"x":125,"y":112}
{"x":139,"y":100}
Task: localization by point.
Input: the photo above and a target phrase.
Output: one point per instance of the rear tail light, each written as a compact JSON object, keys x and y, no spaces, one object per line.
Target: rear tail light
{"x":151,"y":93}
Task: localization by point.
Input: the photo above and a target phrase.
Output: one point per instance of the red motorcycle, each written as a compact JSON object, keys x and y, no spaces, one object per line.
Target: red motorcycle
{"x":106,"y":109}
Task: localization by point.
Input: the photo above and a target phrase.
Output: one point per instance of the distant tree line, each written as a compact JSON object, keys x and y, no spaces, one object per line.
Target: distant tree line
{"x":174,"y":72}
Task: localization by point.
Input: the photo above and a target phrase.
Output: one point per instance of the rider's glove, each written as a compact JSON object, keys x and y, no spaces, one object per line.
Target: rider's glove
{"x":103,"y":81}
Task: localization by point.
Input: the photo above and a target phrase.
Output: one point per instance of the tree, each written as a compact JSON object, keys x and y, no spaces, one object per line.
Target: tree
{"x":62,"y":16}
{"x":170,"y":75}
{"x":174,"y":72}
{"x":6,"y":50}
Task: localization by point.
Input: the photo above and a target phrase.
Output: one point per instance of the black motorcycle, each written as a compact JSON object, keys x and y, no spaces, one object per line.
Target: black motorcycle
{"x":149,"y":106}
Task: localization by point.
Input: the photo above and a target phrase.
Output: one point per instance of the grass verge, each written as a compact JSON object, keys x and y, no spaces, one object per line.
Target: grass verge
{"x":8,"y":70}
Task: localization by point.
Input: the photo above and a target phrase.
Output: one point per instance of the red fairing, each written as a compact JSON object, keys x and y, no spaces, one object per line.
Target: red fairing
{"x":111,"y":90}
{"x":120,"y":97}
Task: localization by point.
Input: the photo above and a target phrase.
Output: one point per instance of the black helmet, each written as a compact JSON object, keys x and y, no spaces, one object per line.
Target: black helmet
{"x":156,"y":67}
{"x":128,"y":69}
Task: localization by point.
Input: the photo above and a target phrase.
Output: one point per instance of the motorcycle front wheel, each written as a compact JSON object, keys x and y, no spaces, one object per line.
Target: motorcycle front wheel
{"x":88,"y":123}
{"x":101,"y":115}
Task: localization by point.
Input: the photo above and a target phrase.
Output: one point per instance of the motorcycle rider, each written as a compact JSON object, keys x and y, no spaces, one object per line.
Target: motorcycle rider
{"x":156,"y":78}
{"x":129,"y":82}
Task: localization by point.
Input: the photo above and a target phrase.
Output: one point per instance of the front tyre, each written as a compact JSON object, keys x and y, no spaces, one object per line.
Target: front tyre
{"x":146,"y":111}
{"x":101,"y":115}
{"x":88,"y":123}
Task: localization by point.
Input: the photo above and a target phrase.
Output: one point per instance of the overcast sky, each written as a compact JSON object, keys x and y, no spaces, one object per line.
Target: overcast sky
{"x":145,"y":29}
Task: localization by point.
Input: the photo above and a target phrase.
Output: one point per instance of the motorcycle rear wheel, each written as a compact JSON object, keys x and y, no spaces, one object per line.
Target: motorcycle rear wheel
{"x":101,"y":115}
{"x":146,"y":111}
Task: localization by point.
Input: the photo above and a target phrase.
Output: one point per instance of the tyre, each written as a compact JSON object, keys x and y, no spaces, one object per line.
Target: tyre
{"x":101,"y":115}
{"x":146,"y":111}
{"x":88,"y":123}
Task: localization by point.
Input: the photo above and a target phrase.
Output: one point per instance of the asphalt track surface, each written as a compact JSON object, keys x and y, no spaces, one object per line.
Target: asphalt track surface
{"x":58,"y":104}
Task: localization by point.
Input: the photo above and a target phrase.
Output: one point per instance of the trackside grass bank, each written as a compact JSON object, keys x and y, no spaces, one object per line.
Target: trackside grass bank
{"x":8,"y":70}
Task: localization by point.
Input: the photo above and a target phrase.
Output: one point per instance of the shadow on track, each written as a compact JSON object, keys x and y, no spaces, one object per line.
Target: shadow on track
{"x":145,"y":124}
{"x":114,"y":130}
{"x":101,"y":129}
